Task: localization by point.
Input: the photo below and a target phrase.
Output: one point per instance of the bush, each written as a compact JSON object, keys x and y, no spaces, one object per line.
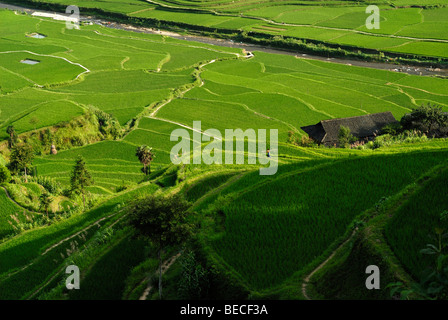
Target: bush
{"x":108,"y":125}
{"x":345,"y":138}
{"x":392,"y":128}
{"x":410,"y":136}
{"x":407,"y":136}
{"x":383,"y":140}
{"x":5,"y":175}
{"x":194,"y":283}
{"x":429,"y":119}
{"x":51,"y":185}
{"x":303,"y":141}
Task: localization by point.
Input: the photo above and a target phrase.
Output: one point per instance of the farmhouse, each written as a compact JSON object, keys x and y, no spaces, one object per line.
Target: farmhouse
{"x":363,"y":127}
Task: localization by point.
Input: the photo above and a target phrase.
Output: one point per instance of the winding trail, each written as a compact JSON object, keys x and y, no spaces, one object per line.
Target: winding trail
{"x":14,"y":201}
{"x":165,"y":266}
{"x":153,"y":114}
{"x":306,"y":280}
{"x":95,"y":223}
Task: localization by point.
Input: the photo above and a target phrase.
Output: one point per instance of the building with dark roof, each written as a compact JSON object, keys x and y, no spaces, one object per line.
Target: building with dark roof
{"x":363,"y":127}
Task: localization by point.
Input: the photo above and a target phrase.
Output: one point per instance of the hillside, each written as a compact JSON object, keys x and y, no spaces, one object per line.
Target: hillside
{"x":95,"y":96}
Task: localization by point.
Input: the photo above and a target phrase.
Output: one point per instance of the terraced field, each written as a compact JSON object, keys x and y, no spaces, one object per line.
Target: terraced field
{"x":261,"y":234}
{"x":8,"y":210}
{"x":431,"y":201}
{"x":122,"y":73}
{"x":412,"y":27}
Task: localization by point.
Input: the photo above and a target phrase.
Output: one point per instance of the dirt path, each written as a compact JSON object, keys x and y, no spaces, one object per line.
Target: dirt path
{"x":165,"y":266}
{"x":153,"y":114}
{"x":59,"y":243}
{"x":96,"y":223}
{"x":15,"y":202}
{"x":308,"y":277}
{"x":218,"y":189}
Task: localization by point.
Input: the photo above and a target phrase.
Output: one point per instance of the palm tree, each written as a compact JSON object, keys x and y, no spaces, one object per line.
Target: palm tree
{"x":145,"y":156}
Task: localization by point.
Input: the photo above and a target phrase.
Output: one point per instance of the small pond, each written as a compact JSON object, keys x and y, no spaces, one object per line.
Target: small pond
{"x":37,"y":36}
{"x":29,"y":61}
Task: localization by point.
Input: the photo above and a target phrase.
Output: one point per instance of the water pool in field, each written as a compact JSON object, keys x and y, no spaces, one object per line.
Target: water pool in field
{"x":37,"y":36}
{"x":30,"y":61}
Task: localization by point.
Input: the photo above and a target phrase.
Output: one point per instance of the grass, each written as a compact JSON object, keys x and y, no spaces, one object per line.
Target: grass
{"x":42,"y":73}
{"x":8,"y":209}
{"x":122,"y":71}
{"x":106,"y":279}
{"x":199,"y":189}
{"x":413,"y":225}
{"x":276,"y":229}
{"x":32,"y":243}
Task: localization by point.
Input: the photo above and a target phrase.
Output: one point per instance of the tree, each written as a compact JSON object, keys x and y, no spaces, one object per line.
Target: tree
{"x":426,"y":118}
{"x":22,"y":156}
{"x":34,"y":121}
{"x":161,"y":220}
{"x":45,"y":201}
{"x":46,"y":137}
{"x":5,"y":175}
{"x":108,"y":125}
{"x":392,"y":128}
{"x":345,"y":138}
{"x":12,"y":136}
{"x":80,"y":178}
{"x":194,"y":283}
{"x":145,"y":156}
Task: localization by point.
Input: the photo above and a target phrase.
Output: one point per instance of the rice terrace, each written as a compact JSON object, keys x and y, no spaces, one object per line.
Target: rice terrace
{"x":110,"y":190}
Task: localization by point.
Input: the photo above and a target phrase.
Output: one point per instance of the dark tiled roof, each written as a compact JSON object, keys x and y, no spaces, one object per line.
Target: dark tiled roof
{"x":326,"y":131}
{"x":316,"y":131}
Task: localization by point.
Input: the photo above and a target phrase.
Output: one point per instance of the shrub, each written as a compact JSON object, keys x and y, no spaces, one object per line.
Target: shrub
{"x":429,"y":119}
{"x":392,"y":128}
{"x":51,"y":185}
{"x":407,"y":136}
{"x":410,"y":136}
{"x":304,"y":141}
{"x":194,"y":283}
{"x":108,"y":124}
{"x":122,"y":187}
{"x":5,"y":175}
{"x":345,"y":138}
{"x":383,"y":140}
